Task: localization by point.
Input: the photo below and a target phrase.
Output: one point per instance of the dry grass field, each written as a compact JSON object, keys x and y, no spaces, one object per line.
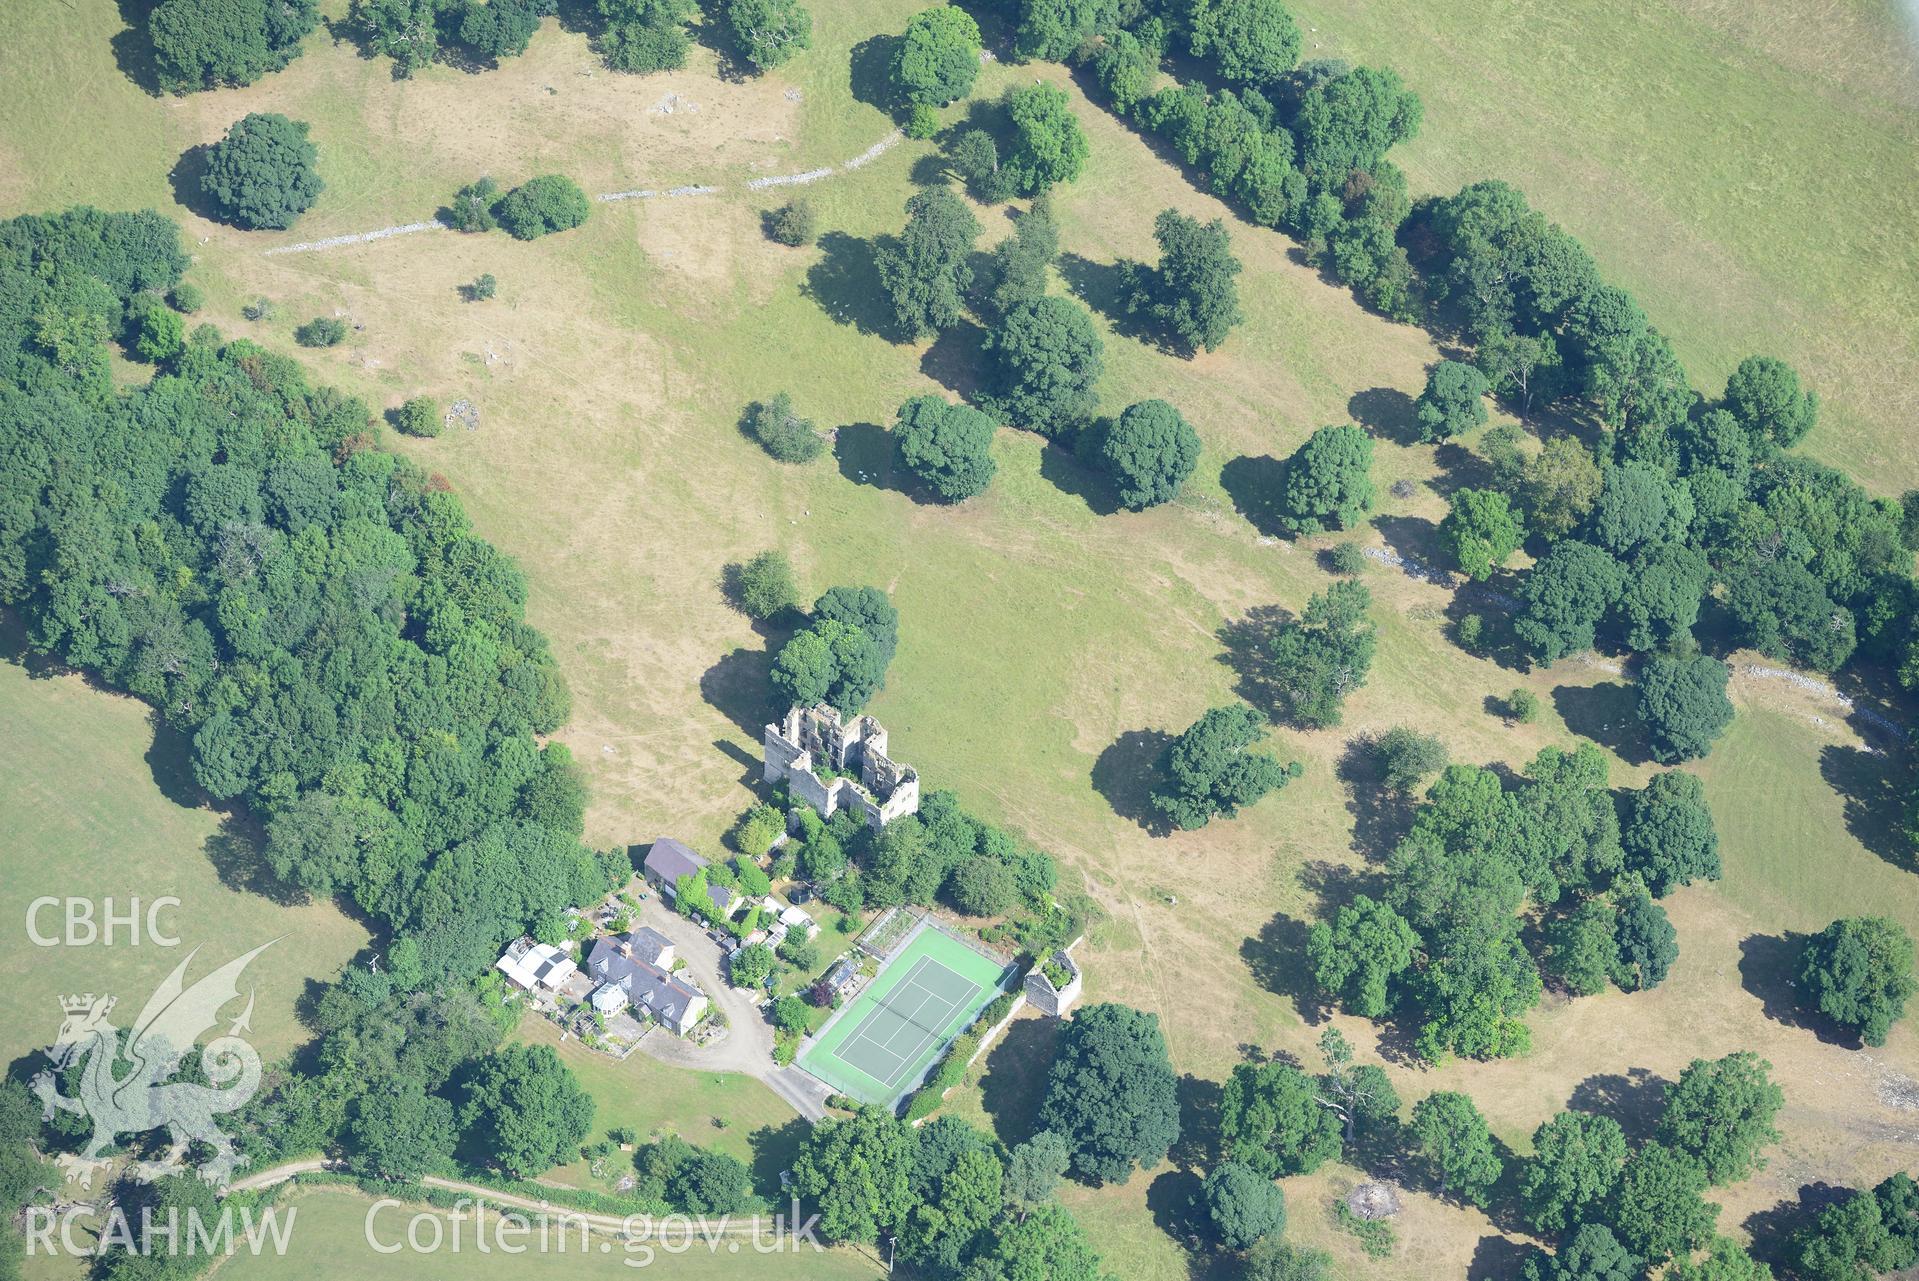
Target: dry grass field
{"x":1047,"y":644}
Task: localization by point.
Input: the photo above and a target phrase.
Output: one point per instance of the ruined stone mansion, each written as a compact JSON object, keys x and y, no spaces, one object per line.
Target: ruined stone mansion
{"x":832,"y":765}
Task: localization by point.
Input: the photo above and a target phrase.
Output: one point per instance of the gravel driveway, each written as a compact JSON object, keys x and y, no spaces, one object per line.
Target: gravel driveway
{"x":747,"y":1046}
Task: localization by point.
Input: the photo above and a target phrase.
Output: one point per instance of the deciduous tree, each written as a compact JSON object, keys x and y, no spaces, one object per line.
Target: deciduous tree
{"x":1328,"y":482}
{"x":1858,"y":973}
{"x":1150,"y":451}
{"x":1210,"y":770}
{"x":262,"y":174}
{"x":938,"y":57}
{"x":1453,"y":1136}
{"x":1453,"y":402}
{"x":1111,"y":1093}
{"x":1576,"y":1162}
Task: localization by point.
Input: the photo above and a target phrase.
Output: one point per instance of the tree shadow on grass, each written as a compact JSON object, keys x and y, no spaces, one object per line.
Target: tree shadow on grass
{"x":1177,"y":1201}
{"x":1276,"y":958}
{"x":133,"y":48}
{"x":1100,"y":285}
{"x":1498,"y":1258}
{"x":237,"y":852}
{"x":187,"y":178}
{"x":1253,"y":483}
{"x":955,"y":359}
{"x":1769,"y":970}
{"x":1608,"y":714}
{"x":736,"y":686}
{"x":1015,"y":1082}
{"x":1247,"y":645}
{"x":1126,"y":772}
{"x":845,"y":282}
{"x":1415,"y":540}
{"x":864,"y":452}
{"x":774,"y":1148}
{"x":170,"y":757}
{"x":1381,"y":816}
{"x":1386,"y":412}
{"x":1072,"y":474}
{"x":1198,"y":1145}
{"x":1634,"y":1098}
{"x":1873,"y":785}
{"x":871,"y":64}
{"x":1460,"y":468}
{"x":1772,"y":1229}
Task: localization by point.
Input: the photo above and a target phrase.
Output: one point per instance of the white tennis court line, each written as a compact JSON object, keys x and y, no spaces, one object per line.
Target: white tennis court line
{"x":952,"y":1007}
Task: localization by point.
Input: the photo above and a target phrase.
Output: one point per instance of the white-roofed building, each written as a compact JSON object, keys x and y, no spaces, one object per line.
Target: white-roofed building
{"x":532,"y":966}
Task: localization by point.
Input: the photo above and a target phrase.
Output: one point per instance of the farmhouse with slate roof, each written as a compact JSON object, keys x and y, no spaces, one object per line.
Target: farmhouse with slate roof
{"x":622,"y":978}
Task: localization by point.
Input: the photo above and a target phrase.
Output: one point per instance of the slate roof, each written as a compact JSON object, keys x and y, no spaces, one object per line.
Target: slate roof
{"x":668,"y":860}
{"x":645,"y":984}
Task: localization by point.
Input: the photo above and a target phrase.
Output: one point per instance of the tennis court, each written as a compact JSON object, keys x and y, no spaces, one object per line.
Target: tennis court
{"x":881,"y":1045}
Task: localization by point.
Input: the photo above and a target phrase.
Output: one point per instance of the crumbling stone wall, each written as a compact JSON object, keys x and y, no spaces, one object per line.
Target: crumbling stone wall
{"x":1045,"y":997}
{"x":885,"y":789}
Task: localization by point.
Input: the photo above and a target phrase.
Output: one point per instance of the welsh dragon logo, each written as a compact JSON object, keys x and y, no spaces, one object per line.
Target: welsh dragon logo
{"x":125,"y":1090}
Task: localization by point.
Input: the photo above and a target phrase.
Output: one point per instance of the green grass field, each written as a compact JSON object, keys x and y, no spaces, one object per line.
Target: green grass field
{"x":880,"y":1045}
{"x":733,"y":1113}
{"x":1046,"y":645}
{"x":94,"y":806}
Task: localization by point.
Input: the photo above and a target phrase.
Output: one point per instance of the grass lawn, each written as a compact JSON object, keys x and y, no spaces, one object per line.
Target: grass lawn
{"x":330,"y":1239}
{"x":96,"y":805}
{"x":1706,"y":151}
{"x":733,"y":1113}
{"x":1048,"y":645}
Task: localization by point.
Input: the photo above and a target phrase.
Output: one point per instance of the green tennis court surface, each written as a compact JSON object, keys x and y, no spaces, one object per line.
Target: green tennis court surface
{"x":880,"y":1046}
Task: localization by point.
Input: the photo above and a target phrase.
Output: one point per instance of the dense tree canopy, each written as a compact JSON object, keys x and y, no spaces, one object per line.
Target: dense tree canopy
{"x":1244,"y":1205}
{"x":1684,"y":705}
{"x":205,"y":44}
{"x":1659,"y":1208}
{"x":1480,"y":531}
{"x":1042,"y":363}
{"x":1591,"y":1253}
{"x":1669,"y":838}
{"x":938,"y":57}
{"x":1326,"y":655}
{"x":640,"y":36}
{"x":1048,"y":146}
{"x":262,"y":175}
{"x":1272,"y":1122}
{"x":1359,"y":952}
{"x":1150,"y":451}
{"x":1575,"y":1165}
{"x":1864,"y":1234}
{"x":539,"y":206}
{"x":1191,"y":297}
{"x":1453,"y":1137}
{"x":1453,"y":402}
{"x":769,"y":32}
{"x":1721,"y":1112}
{"x":925,"y":272}
{"x":1211,"y":769}
{"x":1858,"y":973}
{"x":1565,"y":597}
{"x":841,"y":656}
{"x":1250,"y":42}
{"x":1764,"y":397}
{"x":948,"y":448}
{"x":527,"y":1109}
{"x":1111,"y":1093}
{"x":782,"y":432}
{"x":1328,"y":483}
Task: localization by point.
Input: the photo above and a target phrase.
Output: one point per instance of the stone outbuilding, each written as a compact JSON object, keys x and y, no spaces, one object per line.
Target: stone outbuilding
{"x":833,"y":764}
{"x":1046,"y":995}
